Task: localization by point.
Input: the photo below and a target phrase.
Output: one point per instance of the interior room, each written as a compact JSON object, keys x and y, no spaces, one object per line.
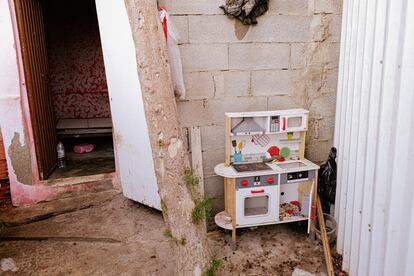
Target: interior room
{"x":79,"y":87}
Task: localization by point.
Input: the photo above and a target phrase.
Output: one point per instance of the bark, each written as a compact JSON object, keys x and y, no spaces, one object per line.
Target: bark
{"x":168,"y":150}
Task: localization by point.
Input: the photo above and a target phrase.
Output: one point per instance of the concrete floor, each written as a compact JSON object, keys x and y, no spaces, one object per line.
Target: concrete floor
{"x":100,"y":160}
{"x":123,"y":237}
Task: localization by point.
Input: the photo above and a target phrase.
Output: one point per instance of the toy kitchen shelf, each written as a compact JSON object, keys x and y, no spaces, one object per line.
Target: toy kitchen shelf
{"x":267,"y":180}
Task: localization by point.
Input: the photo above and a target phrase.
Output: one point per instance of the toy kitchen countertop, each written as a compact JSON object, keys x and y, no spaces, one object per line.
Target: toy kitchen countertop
{"x":273,"y":168}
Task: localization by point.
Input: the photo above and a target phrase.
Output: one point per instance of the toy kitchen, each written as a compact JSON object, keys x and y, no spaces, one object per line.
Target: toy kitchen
{"x":267,"y":180}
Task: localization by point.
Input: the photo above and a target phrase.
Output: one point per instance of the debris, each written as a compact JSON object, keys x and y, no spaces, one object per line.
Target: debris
{"x":301,"y":272}
{"x":245,"y":10}
{"x":8,"y":264}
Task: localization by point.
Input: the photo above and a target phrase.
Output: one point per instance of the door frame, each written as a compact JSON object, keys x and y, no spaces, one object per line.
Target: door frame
{"x":28,"y":126}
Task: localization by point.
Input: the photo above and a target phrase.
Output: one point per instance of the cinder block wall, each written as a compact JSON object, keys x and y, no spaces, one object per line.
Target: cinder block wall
{"x":289,"y":60}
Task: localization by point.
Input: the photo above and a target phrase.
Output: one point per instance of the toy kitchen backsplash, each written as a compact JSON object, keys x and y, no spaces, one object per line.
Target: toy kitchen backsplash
{"x":276,"y":147}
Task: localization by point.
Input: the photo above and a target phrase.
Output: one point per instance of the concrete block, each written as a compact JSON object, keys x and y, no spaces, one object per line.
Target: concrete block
{"x":298,"y":55}
{"x":211,"y":28}
{"x":282,"y":102}
{"x":334,"y":28}
{"x":199,"y":85}
{"x":192,"y":6}
{"x":296,"y":7}
{"x":331,"y":80}
{"x":324,"y":105}
{"x":207,"y":112}
{"x":232,"y":83}
{"x":192,"y":113}
{"x":326,"y":54}
{"x":314,"y":54}
{"x":282,"y":28}
{"x":181,"y":24}
{"x":272,"y":82}
{"x":217,"y":107}
{"x":326,"y":127}
{"x":203,"y":57}
{"x":211,"y":158}
{"x":317,"y":150}
{"x":213,"y":186}
{"x":258,"y":56}
{"x":271,"y":28}
{"x":328,"y":6}
{"x":212,"y":137}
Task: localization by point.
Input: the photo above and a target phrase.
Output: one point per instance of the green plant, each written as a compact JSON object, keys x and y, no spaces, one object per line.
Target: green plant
{"x":167,"y":233}
{"x":213,"y":266}
{"x":201,"y":210}
{"x":191,"y":179}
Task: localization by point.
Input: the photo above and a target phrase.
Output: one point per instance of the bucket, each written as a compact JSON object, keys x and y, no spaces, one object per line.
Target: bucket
{"x":330,"y":225}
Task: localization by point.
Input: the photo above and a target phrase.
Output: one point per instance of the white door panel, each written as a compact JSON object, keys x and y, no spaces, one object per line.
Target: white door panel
{"x":131,"y":140}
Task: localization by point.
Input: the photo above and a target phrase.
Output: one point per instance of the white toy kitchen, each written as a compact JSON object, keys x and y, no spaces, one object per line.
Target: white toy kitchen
{"x":267,"y":180}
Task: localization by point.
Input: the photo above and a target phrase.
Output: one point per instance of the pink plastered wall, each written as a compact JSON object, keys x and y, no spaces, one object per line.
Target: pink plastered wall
{"x":77,"y":73}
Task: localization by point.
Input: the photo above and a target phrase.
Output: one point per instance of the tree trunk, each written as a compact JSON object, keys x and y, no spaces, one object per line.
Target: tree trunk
{"x":168,"y":150}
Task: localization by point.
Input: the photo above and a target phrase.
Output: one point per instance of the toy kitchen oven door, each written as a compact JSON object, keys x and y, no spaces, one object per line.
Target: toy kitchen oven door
{"x":257,"y":200}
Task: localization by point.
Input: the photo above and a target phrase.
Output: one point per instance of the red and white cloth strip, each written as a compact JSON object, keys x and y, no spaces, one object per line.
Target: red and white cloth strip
{"x":163,"y":16}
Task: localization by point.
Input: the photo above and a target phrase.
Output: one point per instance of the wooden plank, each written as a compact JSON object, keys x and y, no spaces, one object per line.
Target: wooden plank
{"x":302,"y":145}
{"x":197,"y":156}
{"x":34,"y":55}
{"x":233,"y":209}
{"x":325,"y":242}
{"x":228,"y":140}
{"x":225,"y":195}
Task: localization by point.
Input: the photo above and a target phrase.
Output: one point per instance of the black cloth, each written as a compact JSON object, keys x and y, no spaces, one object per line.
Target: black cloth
{"x":327,"y":181}
{"x":245,"y":10}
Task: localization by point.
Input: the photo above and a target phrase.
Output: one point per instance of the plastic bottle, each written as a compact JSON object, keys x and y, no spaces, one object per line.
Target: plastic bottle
{"x":61,"y":155}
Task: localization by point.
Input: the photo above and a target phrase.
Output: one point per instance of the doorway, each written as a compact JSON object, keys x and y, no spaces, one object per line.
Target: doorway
{"x":67,"y":87}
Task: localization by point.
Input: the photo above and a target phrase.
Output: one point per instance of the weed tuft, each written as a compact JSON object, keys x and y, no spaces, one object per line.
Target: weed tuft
{"x":213,"y":266}
{"x":202,"y":210}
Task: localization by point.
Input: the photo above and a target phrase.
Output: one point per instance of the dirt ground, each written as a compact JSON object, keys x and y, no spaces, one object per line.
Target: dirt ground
{"x":126,"y":238}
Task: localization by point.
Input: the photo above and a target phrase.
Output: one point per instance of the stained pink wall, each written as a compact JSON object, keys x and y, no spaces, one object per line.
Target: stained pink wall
{"x":77,"y":72}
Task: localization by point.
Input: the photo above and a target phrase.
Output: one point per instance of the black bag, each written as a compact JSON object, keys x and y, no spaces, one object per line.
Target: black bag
{"x":327,"y":181}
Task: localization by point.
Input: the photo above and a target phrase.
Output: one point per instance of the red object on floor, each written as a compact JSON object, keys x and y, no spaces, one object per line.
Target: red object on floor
{"x":83,"y":148}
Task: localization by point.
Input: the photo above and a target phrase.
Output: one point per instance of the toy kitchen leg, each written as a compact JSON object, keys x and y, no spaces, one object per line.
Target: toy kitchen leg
{"x":233,"y":213}
{"x":314,"y":199}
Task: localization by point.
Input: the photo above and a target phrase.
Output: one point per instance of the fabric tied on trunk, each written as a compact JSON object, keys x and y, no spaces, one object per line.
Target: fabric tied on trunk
{"x":245,"y":10}
{"x":174,"y":56}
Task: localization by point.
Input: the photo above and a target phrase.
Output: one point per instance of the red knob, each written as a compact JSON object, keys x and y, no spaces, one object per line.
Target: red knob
{"x":244,"y":182}
{"x":270,"y":180}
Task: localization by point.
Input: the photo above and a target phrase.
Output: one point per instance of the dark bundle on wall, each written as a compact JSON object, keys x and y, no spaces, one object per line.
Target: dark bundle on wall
{"x":246,"y":10}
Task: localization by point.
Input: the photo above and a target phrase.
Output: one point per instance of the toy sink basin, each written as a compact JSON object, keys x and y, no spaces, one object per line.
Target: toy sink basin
{"x":291,"y":165}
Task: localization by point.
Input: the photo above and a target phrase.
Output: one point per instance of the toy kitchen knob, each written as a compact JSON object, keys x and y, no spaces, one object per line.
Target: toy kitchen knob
{"x":270,"y":180}
{"x":244,"y":182}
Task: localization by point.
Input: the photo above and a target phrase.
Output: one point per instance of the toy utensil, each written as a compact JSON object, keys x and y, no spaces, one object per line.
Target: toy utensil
{"x":234,"y":143}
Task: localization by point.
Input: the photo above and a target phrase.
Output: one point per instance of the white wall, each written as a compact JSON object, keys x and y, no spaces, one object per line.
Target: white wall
{"x":132,"y":146}
{"x":374,"y":133}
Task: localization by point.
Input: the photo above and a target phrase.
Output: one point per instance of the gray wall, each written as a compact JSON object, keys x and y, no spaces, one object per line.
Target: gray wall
{"x":289,"y":60}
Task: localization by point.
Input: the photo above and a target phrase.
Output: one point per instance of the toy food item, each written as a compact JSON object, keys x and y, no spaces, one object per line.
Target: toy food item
{"x":273,"y":151}
{"x":285,"y":152}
